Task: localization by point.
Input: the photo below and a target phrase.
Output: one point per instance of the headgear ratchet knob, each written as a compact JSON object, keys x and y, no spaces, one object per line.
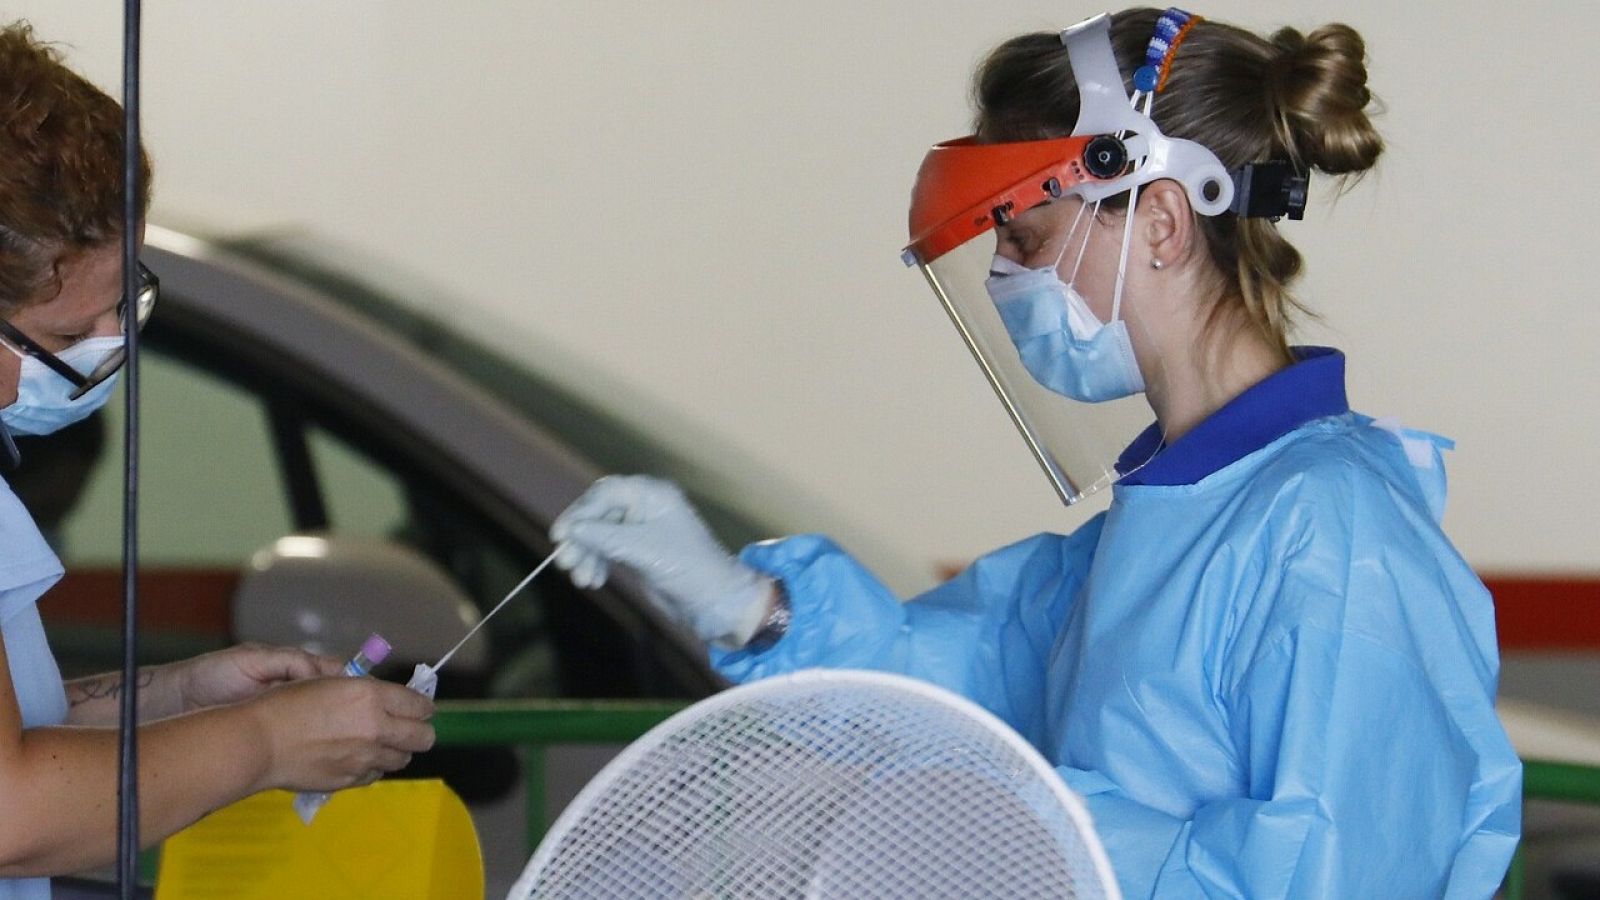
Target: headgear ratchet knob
{"x":1105,"y":157}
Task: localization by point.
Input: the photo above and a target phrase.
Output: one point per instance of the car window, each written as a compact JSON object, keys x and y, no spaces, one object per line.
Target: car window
{"x":602,"y":437}
{"x":741,"y":499}
{"x":211,"y":495}
{"x":218,"y":485}
{"x":212,"y":491}
{"x":362,"y":498}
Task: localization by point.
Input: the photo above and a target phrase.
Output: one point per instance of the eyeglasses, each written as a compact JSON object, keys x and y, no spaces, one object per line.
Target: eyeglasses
{"x":144,"y":304}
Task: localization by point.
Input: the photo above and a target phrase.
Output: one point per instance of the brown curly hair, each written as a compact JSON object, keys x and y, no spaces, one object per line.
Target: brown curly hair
{"x":1298,"y":97}
{"x":60,"y":168}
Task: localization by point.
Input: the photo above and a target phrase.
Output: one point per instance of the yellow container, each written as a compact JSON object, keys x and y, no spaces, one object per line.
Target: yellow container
{"x":394,"y":839}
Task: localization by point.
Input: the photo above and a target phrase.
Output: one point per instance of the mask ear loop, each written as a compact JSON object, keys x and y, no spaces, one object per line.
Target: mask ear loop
{"x":10,"y":456}
{"x":1127,"y":228}
{"x":1094,"y":216}
{"x":1122,"y":260}
{"x":1067,"y":241}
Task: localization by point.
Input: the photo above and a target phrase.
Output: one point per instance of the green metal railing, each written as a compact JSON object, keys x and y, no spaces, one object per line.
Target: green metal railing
{"x":538,"y":725}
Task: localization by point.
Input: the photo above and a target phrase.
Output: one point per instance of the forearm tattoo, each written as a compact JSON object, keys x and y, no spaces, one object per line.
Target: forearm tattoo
{"x":104,"y":687}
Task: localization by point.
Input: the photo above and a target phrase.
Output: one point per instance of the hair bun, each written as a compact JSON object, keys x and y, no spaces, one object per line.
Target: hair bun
{"x":1318,"y":89}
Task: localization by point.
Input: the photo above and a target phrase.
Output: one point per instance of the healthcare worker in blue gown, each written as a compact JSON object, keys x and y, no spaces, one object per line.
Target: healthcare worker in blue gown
{"x":1265,"y":667}
{"x":214,"y":728}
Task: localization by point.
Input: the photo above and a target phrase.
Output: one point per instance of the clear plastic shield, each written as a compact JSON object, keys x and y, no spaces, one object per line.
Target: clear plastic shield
{"x":968,"y":188}
{"x":1078,"y":444}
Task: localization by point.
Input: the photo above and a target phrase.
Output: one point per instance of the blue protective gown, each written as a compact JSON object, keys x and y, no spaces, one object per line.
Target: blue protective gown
{"x":27,"y":568}
{"x":1264,"y":667}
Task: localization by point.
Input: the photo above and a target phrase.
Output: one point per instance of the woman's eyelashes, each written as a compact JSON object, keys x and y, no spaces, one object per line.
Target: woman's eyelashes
{"x":1020,"y":244}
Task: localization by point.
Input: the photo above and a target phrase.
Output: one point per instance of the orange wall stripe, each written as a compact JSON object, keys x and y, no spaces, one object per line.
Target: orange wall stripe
{"x":195,"y":601}
{"x":1546,"y":613}
{"x":1531,"y":612}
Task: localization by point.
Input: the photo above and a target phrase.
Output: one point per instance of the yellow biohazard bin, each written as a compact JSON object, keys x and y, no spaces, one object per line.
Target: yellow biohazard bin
{"x":392,"y":839}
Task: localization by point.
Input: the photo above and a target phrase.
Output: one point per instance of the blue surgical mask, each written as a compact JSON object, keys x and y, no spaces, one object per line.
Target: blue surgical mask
{"x":44,"y":403}
{"x":1063,"y":345}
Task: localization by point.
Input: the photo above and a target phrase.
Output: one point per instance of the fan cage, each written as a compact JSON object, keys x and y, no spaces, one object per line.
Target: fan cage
{"x":824,"y":784}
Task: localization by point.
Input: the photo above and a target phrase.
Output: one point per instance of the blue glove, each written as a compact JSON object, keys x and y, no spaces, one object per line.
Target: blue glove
{"x":646,"y":524}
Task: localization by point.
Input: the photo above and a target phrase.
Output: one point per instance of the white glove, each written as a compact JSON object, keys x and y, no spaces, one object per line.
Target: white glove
{"x":646,"y":524}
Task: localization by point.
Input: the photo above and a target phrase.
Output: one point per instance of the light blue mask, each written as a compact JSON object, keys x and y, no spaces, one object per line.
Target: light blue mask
{"x":44,"y":403}
{"x":1062,"y":344}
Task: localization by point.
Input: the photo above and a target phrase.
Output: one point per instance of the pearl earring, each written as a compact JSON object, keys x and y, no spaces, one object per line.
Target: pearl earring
{"x":1156,"y":263}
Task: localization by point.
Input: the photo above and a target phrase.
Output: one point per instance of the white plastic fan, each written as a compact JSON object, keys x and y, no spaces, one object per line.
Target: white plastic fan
{"x":824,"y":784}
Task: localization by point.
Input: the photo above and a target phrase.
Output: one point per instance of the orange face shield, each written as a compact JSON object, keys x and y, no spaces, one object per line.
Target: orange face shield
{"x":1078,"y":417}
{"x":964,"y":191}
{"x":965,"y":188}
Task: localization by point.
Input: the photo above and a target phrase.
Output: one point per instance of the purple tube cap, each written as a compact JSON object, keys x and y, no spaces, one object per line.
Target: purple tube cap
{"x":375,"y":648}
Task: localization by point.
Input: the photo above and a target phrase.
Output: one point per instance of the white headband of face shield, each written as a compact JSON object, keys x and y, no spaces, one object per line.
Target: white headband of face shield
{"x":1105,"y":108}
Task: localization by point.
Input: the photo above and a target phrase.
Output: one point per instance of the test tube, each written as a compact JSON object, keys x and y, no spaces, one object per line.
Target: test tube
{"x":373,"y":650}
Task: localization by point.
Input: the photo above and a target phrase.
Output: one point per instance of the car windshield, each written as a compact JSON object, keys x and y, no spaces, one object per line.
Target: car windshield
{"x":741,"y":500}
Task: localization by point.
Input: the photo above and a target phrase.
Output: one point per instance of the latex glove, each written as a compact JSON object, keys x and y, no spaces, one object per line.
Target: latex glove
{"x":646,"y":524}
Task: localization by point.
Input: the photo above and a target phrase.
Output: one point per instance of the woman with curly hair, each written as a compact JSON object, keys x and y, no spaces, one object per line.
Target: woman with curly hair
{"x":215,"y":728}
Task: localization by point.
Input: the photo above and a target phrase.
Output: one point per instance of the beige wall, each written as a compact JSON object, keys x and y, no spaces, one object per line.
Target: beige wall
{"x":707,"y":199}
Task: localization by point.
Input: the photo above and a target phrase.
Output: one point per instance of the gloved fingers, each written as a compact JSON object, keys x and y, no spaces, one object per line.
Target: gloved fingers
{"x":616,"y":542}
{"x":582,"y":509}
{"x":586,"y":568}
{"x":609,"y":498}
{"x":569,"y":554}
{"x":591,"y":571}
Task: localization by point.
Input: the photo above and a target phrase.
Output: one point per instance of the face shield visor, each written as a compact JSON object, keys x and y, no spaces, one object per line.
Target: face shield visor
{"x":1016,"y":244}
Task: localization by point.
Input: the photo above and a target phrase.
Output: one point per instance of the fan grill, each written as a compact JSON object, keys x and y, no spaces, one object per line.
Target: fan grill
{"x":823,"y":785}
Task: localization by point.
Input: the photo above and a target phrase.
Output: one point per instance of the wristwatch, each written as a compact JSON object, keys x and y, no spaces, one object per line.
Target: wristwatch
{"x":776,"y":624}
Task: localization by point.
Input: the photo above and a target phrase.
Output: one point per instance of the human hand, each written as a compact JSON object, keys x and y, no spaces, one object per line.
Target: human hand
{"x":647,"y":524}
{"x":327,"y":734}
{"x":244,"y":671}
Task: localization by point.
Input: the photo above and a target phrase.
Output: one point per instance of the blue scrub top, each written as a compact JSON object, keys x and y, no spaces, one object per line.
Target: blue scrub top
{"x":1265,"y":668}
{"x":28,"y":567}
{"x":1310,"y":389}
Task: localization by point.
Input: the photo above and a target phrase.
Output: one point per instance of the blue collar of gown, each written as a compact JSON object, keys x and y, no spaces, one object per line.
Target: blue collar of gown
{"x":1311,"y":388}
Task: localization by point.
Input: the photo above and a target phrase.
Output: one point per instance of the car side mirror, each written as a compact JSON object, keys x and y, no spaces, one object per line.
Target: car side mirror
{"x":326,"y":593}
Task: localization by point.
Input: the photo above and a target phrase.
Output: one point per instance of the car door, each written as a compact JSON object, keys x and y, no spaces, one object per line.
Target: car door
{"x":269,"y":411}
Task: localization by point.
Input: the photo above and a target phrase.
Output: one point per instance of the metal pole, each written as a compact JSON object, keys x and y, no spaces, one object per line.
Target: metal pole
{"x":127,"y":753}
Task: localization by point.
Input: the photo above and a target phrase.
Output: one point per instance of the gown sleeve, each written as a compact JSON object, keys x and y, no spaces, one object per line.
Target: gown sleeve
{"x":985,"y":634}
{"x":1341,"y":814}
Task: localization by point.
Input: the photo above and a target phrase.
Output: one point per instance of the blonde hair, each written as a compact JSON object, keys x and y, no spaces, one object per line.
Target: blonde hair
{"x":1300,"y":97}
